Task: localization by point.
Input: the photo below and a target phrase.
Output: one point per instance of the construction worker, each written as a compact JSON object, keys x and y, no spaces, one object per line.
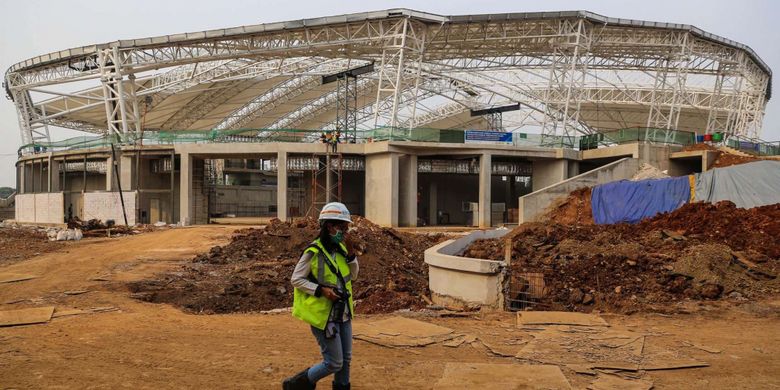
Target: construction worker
{"x":322,"y":282}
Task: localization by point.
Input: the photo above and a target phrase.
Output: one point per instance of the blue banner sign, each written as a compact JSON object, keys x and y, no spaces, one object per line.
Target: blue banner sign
{"x":488,"y":137}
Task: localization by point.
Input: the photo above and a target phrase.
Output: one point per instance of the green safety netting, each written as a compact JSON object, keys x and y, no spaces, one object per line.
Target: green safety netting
{"x":379,"y":134}
{"x":662,"y":136}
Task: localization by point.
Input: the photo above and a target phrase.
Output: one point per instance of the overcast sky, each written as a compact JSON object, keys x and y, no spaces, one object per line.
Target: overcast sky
{"x":31,"y":28}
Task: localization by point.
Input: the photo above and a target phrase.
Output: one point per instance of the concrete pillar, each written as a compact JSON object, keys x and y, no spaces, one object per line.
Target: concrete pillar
{"x":485,"y":174}
{"x":281,"y":186}
{"x":126,"y":172}
{"x":54,"y":175}
{"x":109,"y":173}
{"x":548,"y":172}
{"x":407,"y":182}
{"x":433,"y":214}
{"x":185,"y":189}
{"x":22,"y":178}
{"x":382,"y":188}
{"x":573,"y":169}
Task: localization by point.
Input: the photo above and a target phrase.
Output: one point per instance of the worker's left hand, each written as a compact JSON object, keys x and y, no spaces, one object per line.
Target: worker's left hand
{"x":350,"y":244}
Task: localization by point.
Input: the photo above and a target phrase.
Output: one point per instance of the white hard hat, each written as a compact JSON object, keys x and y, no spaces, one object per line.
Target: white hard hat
{"x":335,"y":211}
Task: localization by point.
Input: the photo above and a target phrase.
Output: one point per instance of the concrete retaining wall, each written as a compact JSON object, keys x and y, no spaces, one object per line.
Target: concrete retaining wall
{"x":39,"y":208}
{"x":534,"y":204}
{"x":457,"y":281}
{"x":107,"y":205}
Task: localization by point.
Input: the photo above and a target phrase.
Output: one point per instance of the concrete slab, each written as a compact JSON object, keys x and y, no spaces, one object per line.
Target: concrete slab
{"x":501,"y":376}
{"x":34,"y":315}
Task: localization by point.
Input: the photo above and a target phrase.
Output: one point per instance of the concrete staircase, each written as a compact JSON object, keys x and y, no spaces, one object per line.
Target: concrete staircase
{"x":730,"y":150}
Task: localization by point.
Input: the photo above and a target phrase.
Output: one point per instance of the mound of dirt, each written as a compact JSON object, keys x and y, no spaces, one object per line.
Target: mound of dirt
{"x":20,"y":243}
{"x":574,"y":210}
{"x":252,"y":272}
{"x":723,"y":159}
{"x":700,"y":251}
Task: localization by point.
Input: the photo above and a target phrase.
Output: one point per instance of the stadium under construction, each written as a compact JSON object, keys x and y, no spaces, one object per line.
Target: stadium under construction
{"x":442,"y":119}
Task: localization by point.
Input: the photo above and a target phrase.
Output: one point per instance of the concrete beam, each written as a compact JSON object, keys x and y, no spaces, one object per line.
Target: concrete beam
{"x":485,"y":173}
{"x":382,"y":189}
{"x":281,"y":186}
{"x":185,"y":189}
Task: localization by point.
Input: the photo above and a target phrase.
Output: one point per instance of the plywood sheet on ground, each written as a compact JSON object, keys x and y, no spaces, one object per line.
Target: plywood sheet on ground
{"x":401,"y":332}
{"x":525,"y":318}
{"x":34,"y":315}
{"x":8,"y":277}
{"x":501,"y":376}
{"x":612,"y":382}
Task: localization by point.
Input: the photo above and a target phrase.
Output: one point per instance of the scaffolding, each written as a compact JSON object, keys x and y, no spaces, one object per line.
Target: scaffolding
{"x":329,"y":165}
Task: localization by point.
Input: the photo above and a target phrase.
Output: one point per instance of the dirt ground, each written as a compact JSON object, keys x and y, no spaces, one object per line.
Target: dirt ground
{"x":17,"y":244}
{"x":146,"y":345}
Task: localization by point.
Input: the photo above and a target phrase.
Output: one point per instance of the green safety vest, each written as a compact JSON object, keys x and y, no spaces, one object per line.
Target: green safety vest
{"x":315,"y":310}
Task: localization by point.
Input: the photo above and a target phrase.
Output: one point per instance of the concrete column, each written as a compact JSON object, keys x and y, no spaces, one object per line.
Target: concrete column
{"x":548,"y":172}
{"x":54,"y":175}
{"x":109,"y":173}
{"x":433,"y":215}
{"x":22,"y":169}
{"x":485,"y":174}
{"x":382,"y":189}
{"x":126,"y":172}
{"x":407,"y":183}
{"x":185,"y":188}
{"x":281,"y":186}
{"x":573,"y":169}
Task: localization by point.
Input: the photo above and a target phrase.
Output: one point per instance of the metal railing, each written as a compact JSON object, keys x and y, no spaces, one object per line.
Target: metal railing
{"x":753,"y":146}
{"x":637,"y":134}
{"x":457,"y":136}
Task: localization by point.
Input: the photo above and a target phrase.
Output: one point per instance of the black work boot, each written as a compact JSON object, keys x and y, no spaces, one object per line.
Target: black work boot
{"x":299,"y":381}
{"x":337,"y":386}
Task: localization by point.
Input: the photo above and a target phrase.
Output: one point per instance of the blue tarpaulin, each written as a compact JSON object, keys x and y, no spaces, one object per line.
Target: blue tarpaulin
{"x":632,"y":201}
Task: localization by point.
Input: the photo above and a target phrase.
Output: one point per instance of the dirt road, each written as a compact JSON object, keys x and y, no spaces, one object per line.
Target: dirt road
{"x":144,"y":345}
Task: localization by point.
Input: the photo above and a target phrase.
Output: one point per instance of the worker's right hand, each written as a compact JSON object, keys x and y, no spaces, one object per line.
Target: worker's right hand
{"x":328,"y":292}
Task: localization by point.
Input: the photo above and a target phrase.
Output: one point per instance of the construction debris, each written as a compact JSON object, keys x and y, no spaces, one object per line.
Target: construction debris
{"x":398,"y":332}
{"x":9,"y":277}
{"x":614,"y":382}
{"x":252,"y":273}
{"x":501,"y":376}
{"x":23,"y":242}
{"x":700,"y":251}
{"x":525,"y":318}
{"x":36,"y":315}
{"x":74,"y":312}
{"x":647,"y":171}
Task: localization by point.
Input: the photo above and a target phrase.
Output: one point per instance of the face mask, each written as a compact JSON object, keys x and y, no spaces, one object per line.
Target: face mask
{"x":338,"y":237}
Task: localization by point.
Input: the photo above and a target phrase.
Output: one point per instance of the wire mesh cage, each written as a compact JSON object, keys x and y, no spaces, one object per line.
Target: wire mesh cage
{"x":526,"y":291}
